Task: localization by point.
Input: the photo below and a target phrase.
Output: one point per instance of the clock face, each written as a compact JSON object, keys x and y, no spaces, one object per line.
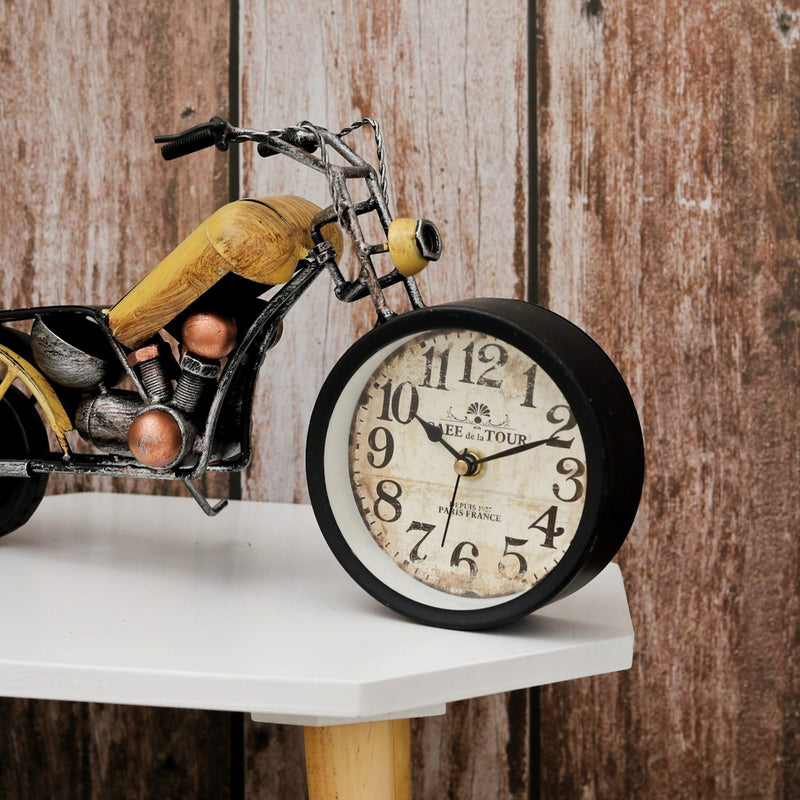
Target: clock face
{"x":466,"y":463}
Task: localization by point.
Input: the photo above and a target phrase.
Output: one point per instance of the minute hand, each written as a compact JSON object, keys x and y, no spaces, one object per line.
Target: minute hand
{"x":512,"y":451}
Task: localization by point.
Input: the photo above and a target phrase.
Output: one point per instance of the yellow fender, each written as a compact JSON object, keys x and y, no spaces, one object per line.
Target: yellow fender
{"x":18,"y":368}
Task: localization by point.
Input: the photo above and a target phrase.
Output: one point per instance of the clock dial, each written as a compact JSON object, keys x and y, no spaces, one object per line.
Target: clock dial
{"x":466,"y":463}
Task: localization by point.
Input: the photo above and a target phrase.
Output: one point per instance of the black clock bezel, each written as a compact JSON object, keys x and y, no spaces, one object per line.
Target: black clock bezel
{"x":604,"y":412}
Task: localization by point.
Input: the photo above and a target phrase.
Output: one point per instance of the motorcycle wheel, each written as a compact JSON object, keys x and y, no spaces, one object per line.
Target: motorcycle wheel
{"x":22,"y":435}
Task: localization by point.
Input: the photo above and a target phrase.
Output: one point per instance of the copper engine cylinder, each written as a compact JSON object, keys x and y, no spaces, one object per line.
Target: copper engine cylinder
{"x":155,"y":438}
{"x":209,"y":334}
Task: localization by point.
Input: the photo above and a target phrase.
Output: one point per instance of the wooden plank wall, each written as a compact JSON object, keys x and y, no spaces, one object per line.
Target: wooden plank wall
{"x":667,"y":227}
{"x":86,"y":207}
{"x":448,"y":84}
{"x":88,"y":202}
{"x":451,"y":89}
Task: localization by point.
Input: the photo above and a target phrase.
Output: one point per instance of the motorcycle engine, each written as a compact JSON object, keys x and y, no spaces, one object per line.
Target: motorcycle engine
{"x":162,"y":432}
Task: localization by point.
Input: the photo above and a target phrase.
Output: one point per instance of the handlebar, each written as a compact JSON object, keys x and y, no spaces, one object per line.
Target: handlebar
{"x":218,"y":133}
{"x":339,"y":163}
{"x":208,"y":134}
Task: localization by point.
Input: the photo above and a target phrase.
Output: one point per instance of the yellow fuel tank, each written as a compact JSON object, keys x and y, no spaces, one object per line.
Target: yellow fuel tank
{"x":260,"y":239}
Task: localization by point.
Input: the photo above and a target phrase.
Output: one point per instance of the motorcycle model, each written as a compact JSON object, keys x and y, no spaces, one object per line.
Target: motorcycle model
{"x":190,"y":337}
{"x":467,"y":462}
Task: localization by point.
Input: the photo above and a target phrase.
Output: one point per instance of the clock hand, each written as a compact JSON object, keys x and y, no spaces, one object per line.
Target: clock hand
{"x":452,"y":505}
{"x":514,"y":450}
{"x":434,"y":433}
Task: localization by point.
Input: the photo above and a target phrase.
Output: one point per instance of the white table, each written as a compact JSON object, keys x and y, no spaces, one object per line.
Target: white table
{"x":144,"y":600}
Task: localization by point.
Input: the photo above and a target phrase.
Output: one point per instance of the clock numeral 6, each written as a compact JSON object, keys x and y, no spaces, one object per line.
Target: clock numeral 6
{"x":388,"y":500}
{"x":457,"y":559}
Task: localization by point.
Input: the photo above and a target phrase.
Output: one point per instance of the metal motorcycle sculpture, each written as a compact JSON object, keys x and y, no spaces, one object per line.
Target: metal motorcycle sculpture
{"x":466,"y":463}
{"x":188,"y":340}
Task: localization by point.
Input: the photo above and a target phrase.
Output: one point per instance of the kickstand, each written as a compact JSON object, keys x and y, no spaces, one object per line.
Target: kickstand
{"x":212,"y":511}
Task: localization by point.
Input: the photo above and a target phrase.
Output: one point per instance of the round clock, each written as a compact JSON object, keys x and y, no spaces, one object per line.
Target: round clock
{"x":469,"y":463}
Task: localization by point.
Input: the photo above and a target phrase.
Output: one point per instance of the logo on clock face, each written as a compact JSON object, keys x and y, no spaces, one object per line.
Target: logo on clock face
{"x":479,"y":415}
{"x":477,"y":424}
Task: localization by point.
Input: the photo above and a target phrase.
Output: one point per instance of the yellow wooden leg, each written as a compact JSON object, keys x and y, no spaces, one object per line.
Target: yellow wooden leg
{"x":362,"y":761}
{"x":402,"y":759}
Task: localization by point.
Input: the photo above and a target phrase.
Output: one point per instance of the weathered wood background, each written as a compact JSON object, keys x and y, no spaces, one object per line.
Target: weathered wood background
{"x":664,"y":185}
{"x":668,"y":182}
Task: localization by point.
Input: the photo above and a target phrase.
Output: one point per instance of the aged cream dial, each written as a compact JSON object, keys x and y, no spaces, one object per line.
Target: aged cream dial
{"x":466,"y":463}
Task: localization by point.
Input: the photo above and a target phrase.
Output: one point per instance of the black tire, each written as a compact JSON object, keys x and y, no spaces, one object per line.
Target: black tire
{"x":22,"y":435}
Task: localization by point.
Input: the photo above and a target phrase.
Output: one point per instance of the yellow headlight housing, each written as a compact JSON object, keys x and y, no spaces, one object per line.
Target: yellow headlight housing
{"x":412,"y":244}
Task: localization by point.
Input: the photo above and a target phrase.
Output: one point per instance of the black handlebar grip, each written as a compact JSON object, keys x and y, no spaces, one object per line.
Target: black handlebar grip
{"x":207,"y":134}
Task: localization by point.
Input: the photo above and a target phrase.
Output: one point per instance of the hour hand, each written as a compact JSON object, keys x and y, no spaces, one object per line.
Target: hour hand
{"x":434,"y":433}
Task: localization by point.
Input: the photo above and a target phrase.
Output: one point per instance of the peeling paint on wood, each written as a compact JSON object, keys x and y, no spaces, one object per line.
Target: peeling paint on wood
{"x":449,"y":85}
{"x":669,"y":196}
{"x":87,"y":208}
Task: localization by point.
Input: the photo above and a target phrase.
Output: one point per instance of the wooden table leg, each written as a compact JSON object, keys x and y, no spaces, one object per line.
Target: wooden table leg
{"x":362,"y":761}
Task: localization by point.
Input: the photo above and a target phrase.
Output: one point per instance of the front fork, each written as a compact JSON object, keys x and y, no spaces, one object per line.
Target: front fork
{"x":368,"y":282}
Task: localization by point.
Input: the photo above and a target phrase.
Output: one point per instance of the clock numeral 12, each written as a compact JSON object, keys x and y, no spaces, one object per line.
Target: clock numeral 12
{"x":492,"y":354}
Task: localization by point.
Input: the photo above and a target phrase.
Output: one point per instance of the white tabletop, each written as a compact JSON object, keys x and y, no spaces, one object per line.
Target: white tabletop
{"x":145,"y":600}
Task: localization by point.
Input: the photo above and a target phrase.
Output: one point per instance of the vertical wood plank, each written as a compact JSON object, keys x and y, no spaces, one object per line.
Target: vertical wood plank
{"x":88,"y":750}
{"x":480,"y":749}
{"x":87,"y":207}
{"x":669,"y":203}
{"x":450,"y":89}
{"x":274,"y":762}
{"x":449,"y":84}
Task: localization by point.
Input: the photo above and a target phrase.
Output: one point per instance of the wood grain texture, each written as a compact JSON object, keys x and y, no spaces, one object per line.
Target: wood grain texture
{"x":668,"y":197}
{"x":668,"y":193}
{"x":480,"y":749}
{"x":449,"y":88}
{"x":87,"y":207}
{"x":355,"y":761}
{"x":274,"y":765}
{"x":448,"y":82}
{"x":88,"y":750}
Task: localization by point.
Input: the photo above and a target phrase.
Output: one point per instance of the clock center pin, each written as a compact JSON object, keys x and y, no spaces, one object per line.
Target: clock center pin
{"x":467,"y":465}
